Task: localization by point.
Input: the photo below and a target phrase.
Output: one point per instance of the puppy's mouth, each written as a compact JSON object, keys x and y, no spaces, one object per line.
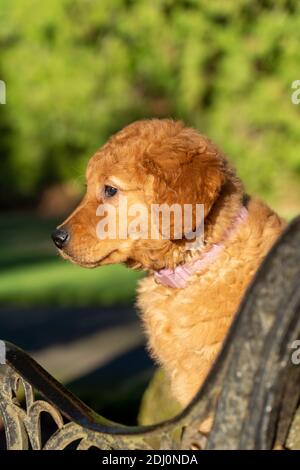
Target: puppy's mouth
{"x":85,"y":264}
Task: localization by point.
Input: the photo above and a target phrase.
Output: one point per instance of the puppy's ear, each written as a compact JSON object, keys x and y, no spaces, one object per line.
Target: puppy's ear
{"x":188,"y":169}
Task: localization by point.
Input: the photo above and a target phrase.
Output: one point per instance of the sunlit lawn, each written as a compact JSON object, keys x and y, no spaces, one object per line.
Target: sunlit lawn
{"x":31,"y":273}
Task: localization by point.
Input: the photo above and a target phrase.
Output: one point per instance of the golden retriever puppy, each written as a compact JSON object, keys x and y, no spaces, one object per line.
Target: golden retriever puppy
{"x":191,"y":293}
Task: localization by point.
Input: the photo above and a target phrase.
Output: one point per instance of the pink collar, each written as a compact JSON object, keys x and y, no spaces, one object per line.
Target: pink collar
{"x":179,"y":276}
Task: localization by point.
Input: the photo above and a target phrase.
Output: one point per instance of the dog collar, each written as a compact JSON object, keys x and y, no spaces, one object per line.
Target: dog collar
{"x":178,"y":277}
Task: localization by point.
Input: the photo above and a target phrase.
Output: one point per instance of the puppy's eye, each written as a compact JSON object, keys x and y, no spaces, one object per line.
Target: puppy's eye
{"x":110,"y":191}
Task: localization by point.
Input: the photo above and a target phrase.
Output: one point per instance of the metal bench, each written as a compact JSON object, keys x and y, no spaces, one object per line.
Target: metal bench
{"x":253,"y":389}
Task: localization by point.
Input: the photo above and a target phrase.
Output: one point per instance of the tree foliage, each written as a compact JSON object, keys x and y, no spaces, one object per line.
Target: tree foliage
{"x":78,"y":70}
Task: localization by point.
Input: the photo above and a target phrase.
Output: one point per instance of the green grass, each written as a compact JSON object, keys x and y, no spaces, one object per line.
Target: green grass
{"x":32,"y":274}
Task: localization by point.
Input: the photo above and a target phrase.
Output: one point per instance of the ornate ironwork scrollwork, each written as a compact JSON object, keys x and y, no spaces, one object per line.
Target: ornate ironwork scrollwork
{"x":252,"y":391}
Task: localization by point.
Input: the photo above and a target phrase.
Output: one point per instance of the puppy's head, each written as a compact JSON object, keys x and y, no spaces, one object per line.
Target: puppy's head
{"x":148,"y":162}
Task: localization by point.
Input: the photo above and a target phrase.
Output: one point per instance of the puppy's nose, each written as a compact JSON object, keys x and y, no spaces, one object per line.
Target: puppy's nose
{"x":60,"y":237}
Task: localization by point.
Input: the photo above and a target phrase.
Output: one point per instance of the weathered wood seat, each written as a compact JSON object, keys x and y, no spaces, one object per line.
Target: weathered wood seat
{"x":253,"y":389}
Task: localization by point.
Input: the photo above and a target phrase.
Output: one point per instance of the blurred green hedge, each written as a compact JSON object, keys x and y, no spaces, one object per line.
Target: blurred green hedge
{"x":78,"y":70}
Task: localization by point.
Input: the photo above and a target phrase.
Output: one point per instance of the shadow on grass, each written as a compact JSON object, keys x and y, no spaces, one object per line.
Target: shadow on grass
{"x":115,"y":390}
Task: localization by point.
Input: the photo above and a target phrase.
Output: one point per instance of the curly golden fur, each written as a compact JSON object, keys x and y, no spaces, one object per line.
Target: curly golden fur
{"x":162,"y":161}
